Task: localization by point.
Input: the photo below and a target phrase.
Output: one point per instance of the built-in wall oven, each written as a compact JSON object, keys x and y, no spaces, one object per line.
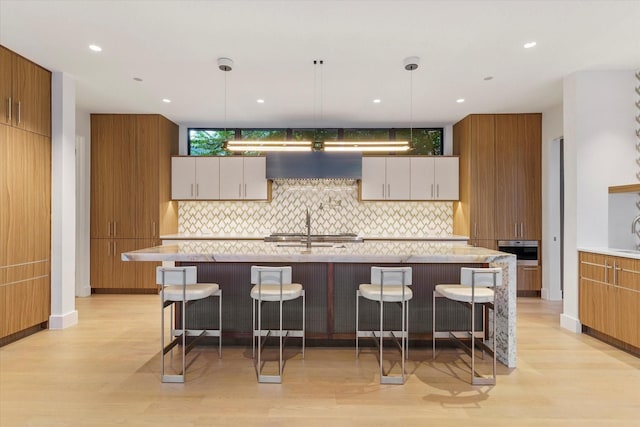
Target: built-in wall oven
{"x":526,"y":251}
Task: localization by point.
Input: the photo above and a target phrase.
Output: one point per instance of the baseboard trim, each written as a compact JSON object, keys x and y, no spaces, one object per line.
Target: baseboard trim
{"x":570,"y":323}
{"x":63,"y":321}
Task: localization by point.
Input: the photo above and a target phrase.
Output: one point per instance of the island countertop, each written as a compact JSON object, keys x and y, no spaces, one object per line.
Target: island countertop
{"x":367,"y":252}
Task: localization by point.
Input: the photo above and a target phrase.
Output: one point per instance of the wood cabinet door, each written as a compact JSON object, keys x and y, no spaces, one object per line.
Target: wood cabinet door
{"x":231,"y":178}
{"x":32,"y":96}
{"x":507,"y":164}
{"x":255,"y":178}
{"x":28,"y":303}
{"x":183,"y":178}
{"x":422,"y":184}
{"x":101,"y":263}
{"x":101,"y":185}
{"x":482,"y":177}
{"x":6,"y":83}
{"x":207,"y":183}
{"x":596,"y":292}
{"x":124,"y":273}
{"x":446,"y":178}
{"x":5,"y":132}
{"x":146,"y":271}
{"x":147,"y":176}
{"x":529,"y":278}
{"x":530,"y":172}
{"x":123,"y":176}
{"x":627,"y":321}
{"x":398,"y":178}
{"x":373,"y":184}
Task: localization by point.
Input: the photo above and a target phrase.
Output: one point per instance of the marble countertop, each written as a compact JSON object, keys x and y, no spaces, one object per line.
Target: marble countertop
{"x":368,"y":251}
{"x":625,"y":253}
{"x":249,"y":236}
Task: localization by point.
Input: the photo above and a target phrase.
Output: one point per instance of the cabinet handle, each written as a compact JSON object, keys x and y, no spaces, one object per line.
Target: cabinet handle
{"x":245,"y":191}
{"x":239,"y":191}
{"x":383,"y":194}
{"x":615,"y":273}
{"x":388,"y":190}
{"x":197,"y":190}
{"x":606,"y":272}
{"x":515,"y":229}
{"x":530,"y":268}
{"x":437,"y":191}
{"x":475,"y":230}
{"x":522,"y":229}
{"x":432,"y":191}
{"x":10,"y":104}
{"x":19,"y":111}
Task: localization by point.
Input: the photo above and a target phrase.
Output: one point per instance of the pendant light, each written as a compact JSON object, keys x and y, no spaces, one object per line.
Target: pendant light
{"x":411,"y":64}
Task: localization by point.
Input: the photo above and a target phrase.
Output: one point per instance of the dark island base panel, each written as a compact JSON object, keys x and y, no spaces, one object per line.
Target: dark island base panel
{"x":331,"y":300}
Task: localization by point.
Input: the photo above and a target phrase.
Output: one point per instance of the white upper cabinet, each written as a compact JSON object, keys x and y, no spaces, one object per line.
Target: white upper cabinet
{"x":385,"y":178}
{"x":434,"y":178}
{"x":195,"y":178}
{"x":243,"y":178}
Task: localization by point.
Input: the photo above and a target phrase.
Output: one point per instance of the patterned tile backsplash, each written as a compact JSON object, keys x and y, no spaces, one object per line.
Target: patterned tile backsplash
{"x":334,"y":208}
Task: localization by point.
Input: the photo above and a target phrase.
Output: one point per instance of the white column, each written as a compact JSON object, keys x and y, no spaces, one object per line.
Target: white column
{"x":63,"y":202}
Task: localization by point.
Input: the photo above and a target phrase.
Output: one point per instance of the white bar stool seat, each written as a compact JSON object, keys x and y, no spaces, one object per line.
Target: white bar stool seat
{"x":388,"y":285}
{"x":179,"y":285}
{"x":476,"y":287}
{"x":273,"y":284}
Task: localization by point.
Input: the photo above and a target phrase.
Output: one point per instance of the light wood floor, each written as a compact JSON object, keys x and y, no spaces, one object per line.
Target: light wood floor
{"x":105,"y":371}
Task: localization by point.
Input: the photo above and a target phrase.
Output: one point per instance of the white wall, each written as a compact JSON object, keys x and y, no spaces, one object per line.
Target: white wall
{"x":83,"y":202}
{"x":552,"y":131}
{"x":599,"y":152}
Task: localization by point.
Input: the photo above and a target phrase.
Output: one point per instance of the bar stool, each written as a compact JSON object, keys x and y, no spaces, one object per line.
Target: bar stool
{"x":476,"y":288}
{"x":179,"y":285}
{"x":388,"y":284}
{"x":273,"y":284}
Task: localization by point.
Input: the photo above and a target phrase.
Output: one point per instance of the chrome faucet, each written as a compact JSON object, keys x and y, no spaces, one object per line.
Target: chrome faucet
{"x":308,"y":223}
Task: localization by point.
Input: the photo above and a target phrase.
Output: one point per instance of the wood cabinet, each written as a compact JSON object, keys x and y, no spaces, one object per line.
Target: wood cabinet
{"x":434,"y":178}
{"x":195,"y":178}
{"x":131,"y":202}
{"x":609,"y":296}
{"x":243,"y":178}
{"x":518,"y":176}
{"x":529,"y":278}
{"x":386,"y":178}
{"x":473,"y":141}
{"x":25,"y":92}
{"x":25,"y":227}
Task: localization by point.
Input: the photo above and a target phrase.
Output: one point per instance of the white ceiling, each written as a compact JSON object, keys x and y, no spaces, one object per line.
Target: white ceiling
{"x":173,"y":46}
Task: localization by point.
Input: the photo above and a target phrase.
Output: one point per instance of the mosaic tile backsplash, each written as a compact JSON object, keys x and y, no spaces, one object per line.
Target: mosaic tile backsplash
{"x":334,"y":208}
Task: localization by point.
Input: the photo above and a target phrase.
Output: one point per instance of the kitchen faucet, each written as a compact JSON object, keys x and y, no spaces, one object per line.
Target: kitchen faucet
{"x":308,"y":223}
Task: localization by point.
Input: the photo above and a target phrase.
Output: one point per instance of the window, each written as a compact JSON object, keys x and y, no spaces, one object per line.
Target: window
{"x":210,"y":142}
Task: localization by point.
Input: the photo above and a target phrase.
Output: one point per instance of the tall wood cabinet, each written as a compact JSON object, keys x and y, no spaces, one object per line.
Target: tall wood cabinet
{"x":130,"y":196}
{"x":25,"y":196}
{"x":500,"y":183}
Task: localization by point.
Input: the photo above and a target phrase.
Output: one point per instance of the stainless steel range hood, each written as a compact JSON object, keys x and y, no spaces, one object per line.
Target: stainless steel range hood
{"x":314,"y":165}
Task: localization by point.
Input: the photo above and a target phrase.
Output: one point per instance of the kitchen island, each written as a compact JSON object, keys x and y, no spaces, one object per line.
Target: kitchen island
{"x":330,"y":275}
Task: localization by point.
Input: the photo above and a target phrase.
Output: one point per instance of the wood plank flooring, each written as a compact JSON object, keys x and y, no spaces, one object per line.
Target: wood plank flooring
{"x":105,"y":372}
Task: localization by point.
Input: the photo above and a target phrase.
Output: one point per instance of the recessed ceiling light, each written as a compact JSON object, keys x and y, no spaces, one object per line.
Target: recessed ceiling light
{"x":488,"y":78}
{"x":138,"y":79}
{"x":460,"y":100}
{"x":166,"y":100}
{"x":529,"y":45}
{"x":377,"y":101}
{"x":260,"y":101}
{"x":95,"y":48}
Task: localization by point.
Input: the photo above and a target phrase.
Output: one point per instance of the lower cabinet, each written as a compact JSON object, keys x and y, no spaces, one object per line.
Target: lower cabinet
{"x":529,"y":278}
{"x":110,"y":274}
{"x":609,"y":296}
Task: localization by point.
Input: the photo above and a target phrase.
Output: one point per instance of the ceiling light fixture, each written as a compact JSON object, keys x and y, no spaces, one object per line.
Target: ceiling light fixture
{"x":529,"y":45}
{"x":377,"y":101}
{"x":260,"y":101}
{"x":460,"y":100}
{"x":95,"y":48}
{"x":166,"y":100}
